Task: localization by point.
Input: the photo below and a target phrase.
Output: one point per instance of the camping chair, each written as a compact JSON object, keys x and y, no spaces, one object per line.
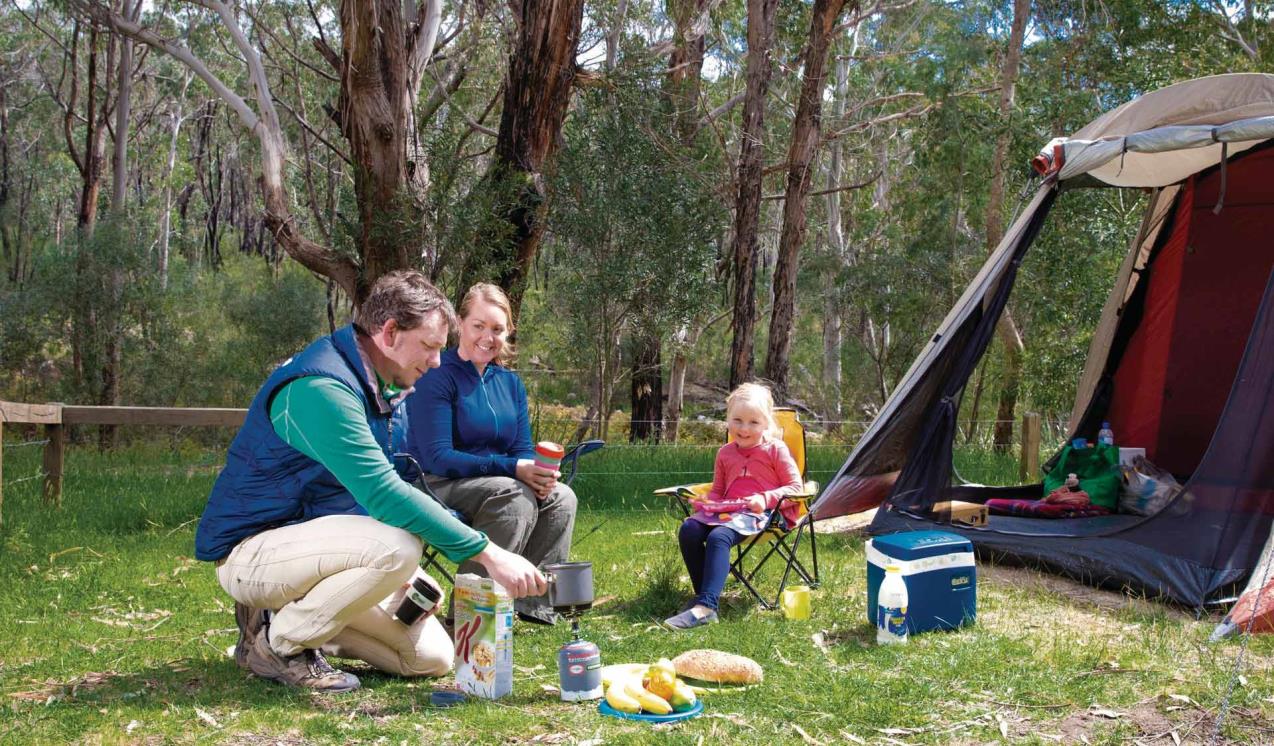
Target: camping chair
{"x":430,"y":558}
{"x":782,"y":540}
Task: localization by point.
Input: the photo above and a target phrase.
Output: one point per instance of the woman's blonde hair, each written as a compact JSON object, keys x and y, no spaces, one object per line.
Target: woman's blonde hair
{"x":492,"y":294}
{"x":758,"y":396}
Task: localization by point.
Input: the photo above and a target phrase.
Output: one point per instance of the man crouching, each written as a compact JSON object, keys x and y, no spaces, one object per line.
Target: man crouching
{"x":314,"y":530}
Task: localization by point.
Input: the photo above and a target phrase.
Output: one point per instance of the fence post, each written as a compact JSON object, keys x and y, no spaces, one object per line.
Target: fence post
{"x":1030,"y":468}
{"x":53,"y":463}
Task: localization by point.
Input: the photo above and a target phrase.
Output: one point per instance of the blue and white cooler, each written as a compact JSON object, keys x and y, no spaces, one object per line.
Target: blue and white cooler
{"x":941,"y":577}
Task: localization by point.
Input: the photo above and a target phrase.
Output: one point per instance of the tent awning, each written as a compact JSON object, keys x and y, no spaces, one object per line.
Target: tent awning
{"x":1164,"y":136}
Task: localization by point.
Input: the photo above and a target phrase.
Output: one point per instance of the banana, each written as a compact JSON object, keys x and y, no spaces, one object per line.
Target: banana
{"x":683,"y":697}
{"x":617,"y":671}
{"x":648,"y":701}
{"x":618,"y":697}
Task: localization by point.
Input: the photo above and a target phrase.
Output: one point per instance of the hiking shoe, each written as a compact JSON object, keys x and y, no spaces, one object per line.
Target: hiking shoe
{"x":250,"y":620}
{"x":307,"y":669}
{"x":688,"y":620}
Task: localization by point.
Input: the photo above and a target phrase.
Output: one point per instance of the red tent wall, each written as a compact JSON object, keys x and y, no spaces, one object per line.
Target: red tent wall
{"x":1206,"y":283}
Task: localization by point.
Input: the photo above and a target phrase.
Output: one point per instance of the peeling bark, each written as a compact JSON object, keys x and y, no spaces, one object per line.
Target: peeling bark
{"x":747,"y":210}
{"x":800,"y":164}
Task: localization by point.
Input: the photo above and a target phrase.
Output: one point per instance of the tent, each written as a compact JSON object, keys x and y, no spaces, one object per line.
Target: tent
{"x":1181,"y":362}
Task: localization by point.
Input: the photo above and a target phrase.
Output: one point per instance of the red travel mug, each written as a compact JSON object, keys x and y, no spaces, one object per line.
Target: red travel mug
{"x":548,"y":455}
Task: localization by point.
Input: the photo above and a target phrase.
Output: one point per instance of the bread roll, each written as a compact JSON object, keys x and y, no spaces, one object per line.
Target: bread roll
{"x":714,"y":665}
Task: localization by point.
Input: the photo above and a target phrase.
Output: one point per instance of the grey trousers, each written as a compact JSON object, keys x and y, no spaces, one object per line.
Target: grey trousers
{"x":510,"y":514}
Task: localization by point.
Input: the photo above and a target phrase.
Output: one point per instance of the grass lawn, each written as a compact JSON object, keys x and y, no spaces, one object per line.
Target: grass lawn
{"x":111,"y":633}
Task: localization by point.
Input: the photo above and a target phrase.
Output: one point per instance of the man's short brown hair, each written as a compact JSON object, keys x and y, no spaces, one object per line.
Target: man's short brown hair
{"x":407,"y":297}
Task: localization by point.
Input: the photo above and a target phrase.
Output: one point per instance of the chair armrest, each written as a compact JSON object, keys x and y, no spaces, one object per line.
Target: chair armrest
{"x":810,"y":490}
{"x":583,"y":448}
{"x":686,"y":491}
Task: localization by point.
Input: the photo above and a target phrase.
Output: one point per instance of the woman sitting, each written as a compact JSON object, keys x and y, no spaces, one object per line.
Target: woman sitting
{"x":470,"y":431}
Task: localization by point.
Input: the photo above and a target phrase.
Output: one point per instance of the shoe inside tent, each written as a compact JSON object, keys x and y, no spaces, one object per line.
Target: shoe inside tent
{"x":1181,"y":362}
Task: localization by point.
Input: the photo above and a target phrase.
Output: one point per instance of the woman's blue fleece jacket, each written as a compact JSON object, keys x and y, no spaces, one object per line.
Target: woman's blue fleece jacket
{"x":465,"y":425}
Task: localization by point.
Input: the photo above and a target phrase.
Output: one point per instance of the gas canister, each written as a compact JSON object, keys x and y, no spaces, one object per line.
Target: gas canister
{"x":579,"y":666}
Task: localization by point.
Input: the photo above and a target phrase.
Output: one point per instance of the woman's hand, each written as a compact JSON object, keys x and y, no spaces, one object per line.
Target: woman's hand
{"x":540,"y":480}
{"x":756,"y":503}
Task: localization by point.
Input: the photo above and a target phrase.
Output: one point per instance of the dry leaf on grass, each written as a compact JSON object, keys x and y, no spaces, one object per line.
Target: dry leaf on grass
{"x":132,"y":619}
{"x":209,"y":719}
{"x":807,"y":738}
{"x":852,"y":738}
{"x":132,"y":726}
{"x":54,"y":690}
{"x":733,"y":717}
{"x":1105,"y":713}
{"x":820,"y":642}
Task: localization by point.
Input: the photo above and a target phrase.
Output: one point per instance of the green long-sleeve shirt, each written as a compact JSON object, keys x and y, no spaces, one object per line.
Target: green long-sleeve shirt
{"x":323,"y":419}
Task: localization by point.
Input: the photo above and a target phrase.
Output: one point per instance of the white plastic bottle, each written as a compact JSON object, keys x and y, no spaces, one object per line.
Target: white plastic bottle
{"x":891,"y":608}
{"x":1106,"y":436}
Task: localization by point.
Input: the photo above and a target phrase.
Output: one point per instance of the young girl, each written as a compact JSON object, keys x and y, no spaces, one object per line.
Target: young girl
{"x":752,"y":473}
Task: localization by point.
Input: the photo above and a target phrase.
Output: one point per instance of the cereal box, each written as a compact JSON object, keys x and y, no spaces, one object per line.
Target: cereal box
{"x":484,"y":637}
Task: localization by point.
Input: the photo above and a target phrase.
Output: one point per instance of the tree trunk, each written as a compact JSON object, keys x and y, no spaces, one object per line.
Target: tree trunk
{"x":1006,"y":330}
{"x":747,"y":208}
{"x":615,"y":34}
{"x":382,"y":60}
{"x":685,"y":63}
{"x":800,"y":163}
{"x":681,"y":94}
{"x":175,"y":118}
{"x":113,"y":317}
{"x":537,"y":91}
{"x":646,"y":376}
{"x":833,"y":306}
{"x":676,"y":395}
{"x":8,"y":235}
{"x":374,"y":110}
{"x":94,"y":137}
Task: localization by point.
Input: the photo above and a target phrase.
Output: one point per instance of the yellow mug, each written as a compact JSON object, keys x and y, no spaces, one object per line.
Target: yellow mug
{"x":796,"y":602}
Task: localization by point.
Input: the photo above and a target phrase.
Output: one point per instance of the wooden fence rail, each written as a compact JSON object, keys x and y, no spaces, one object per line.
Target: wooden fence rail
{"x":54,"y":418}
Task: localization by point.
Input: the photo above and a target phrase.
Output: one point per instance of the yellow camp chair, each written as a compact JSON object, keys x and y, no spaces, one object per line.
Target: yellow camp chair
{"x":776,"y":534}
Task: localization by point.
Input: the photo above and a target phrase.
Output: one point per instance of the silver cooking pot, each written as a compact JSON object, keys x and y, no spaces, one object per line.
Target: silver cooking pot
{"x":570,"y":586}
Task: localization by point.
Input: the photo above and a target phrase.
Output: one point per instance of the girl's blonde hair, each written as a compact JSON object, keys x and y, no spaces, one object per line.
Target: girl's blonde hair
{"x":758,"y":396}
{"x":488,"y":293}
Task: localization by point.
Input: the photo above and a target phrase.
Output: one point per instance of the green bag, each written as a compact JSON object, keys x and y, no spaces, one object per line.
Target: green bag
{"x":1097,"y":469}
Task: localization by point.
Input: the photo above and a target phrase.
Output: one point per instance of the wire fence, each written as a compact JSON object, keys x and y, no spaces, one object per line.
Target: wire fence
{"x":39,"y":474}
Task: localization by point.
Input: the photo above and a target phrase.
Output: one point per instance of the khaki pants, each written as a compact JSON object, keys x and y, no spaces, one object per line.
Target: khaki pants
{"x":510,"y":514}
{"x":333,"y":583}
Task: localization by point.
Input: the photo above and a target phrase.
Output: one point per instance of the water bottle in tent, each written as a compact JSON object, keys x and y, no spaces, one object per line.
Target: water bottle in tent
{"x":891,"y":608}
{"x":1106,"y":436}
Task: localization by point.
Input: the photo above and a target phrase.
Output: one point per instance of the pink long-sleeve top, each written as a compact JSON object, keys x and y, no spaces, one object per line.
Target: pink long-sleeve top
{"x":767,"y":469}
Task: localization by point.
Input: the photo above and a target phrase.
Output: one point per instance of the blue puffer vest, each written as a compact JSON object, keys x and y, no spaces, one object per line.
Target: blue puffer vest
{"x":266,"y":482}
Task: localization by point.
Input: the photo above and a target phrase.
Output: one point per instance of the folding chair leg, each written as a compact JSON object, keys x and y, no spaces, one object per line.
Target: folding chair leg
{"x":737,"y":569}
{"x":430,"y":559}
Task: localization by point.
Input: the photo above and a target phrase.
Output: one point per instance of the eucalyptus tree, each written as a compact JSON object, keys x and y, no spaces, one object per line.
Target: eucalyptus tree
{"x":635,"y":227}
{"x":806,"y":132}
{"x":373,"y":57}
{"x":747,"y":205}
